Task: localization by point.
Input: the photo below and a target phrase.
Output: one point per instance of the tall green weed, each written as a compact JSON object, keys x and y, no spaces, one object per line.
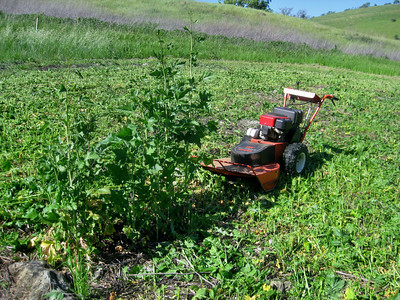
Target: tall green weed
{"x":150,"y":157}
{"x":137,"y":177}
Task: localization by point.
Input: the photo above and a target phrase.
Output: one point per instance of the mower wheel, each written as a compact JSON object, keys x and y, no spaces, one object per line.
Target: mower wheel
{"x":295,"y":158}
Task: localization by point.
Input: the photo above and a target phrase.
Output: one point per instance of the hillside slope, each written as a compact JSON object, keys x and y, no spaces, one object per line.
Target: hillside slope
{"x":382,"y":21}
{"x":213,"y":19}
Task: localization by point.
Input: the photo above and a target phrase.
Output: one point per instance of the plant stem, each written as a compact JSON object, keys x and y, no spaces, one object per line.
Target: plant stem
{"x":191,"y":50}
{"x":162,"y":60}
{"x":68,"y":139}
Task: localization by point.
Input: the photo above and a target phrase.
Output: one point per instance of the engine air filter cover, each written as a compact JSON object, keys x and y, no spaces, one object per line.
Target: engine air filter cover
{"x":284,"y":124}
{"x":253,"y":154}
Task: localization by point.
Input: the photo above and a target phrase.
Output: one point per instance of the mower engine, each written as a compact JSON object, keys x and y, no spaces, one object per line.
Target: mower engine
{"x":282,"y":125}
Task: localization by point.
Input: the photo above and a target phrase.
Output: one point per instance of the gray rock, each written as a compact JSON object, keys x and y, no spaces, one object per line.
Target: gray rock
{"x":33,"y":279}
{"x":248,"y":123}
{"x":281,"y":285}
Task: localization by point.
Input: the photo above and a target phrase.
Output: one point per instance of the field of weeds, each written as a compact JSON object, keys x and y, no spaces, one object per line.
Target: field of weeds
{"x":69,"y":131}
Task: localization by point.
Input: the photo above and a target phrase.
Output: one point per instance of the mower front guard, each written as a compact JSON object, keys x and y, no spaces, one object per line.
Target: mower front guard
{"x":267,"y":175}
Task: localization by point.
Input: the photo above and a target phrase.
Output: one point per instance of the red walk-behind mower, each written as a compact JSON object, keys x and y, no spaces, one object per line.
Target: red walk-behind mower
{"x":278,"y":141}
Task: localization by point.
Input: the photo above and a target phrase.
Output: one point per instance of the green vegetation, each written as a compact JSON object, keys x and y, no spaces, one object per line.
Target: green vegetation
{"x":59,"y":40}
{"x":256,"y":4}
{"x":341,"y":218}
{"x":215,"y":19}
{"x":382,"y":21}
{"x":98,"y":125}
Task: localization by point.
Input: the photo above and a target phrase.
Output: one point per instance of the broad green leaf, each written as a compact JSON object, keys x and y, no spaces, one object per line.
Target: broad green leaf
{"x":125,"y":133}
{"x":92,"y":155}
{"x":201,"y":293}
{"x":150,"y":151}
{"x":101,"y":191}
{"x":62,"y":88}
{"x":31,"y":214}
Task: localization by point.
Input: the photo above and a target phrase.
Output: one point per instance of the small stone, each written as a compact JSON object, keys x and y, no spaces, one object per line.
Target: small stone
{"x":34,"y":279}
{"x":280,"y":285}
{"x":98,"y":274}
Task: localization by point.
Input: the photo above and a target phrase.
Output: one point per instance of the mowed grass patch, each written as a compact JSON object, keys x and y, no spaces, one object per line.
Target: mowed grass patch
{"x":328,"y":233}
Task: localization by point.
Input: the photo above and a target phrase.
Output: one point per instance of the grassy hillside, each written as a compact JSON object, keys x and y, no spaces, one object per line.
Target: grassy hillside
{"x":60,"y":40}
{"x":382,"y":21}
{"x":214,"y":19}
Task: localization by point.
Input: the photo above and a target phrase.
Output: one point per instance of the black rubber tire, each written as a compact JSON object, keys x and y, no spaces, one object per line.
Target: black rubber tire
{"x":295,"y":159}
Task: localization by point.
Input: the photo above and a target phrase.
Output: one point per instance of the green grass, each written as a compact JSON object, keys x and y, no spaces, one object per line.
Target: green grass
{"x":330,"y":232}
{"x":60,"y":40}
{"x":375,"y":21}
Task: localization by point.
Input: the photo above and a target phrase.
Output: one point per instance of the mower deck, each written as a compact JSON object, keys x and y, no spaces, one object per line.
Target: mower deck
{"x":267,"y":175}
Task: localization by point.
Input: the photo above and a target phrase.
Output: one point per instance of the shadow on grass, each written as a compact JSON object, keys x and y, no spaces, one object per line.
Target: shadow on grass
{"x":214,"y":207}
{"x":318,"y":159}
{"x":217,"y":201}
{"x":214,"y":202}
{"x":221,"y":200}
